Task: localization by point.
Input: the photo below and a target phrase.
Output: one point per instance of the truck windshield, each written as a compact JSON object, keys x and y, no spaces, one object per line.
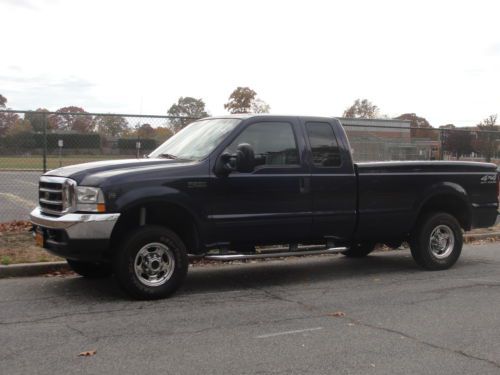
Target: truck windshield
{"x":196,"y":140}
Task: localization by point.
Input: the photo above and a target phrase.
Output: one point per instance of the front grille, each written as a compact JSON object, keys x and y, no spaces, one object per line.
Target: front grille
{"x":53,"y":195}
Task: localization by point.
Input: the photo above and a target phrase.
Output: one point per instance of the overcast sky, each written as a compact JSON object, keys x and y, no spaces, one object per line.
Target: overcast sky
{"x":439,"y":59}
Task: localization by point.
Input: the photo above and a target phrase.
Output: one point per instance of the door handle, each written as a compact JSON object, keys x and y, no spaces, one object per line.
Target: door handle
{"x":304,"y":185}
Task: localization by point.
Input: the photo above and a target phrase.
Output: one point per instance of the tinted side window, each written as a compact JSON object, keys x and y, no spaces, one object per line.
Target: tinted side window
{"x":273,"y":140}
{"x":324,"y":145}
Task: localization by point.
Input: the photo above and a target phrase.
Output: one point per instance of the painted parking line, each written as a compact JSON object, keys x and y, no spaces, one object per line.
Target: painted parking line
{"x":25,"y":182}
{"x":288,"y":332}
{"x":485,"y":281}
{"x":18,"y":200}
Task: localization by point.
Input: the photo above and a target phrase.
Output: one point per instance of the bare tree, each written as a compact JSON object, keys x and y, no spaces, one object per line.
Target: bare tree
{"x":186,"y":107}
{"x":362,"y":109}
{"x":260,"y":106}
{"x":420,"y":127}
{"x":72,"y":118}
{"x":457,"y":142}
{"x":488,"y":137}
{"x":245,"y":100}
{"x":37,"y":119}
{"x":111,"y":125}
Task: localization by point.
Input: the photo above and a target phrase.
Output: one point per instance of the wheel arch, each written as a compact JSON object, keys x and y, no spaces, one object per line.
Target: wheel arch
{"x":446,"y":197}
{"x":172,"y":215}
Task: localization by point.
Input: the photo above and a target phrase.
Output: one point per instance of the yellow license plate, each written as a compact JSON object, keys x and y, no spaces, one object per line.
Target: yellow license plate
{"x":39,"y":239}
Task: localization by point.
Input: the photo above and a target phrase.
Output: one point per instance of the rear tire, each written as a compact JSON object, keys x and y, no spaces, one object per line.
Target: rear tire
{"x":151,"y":263}
{"x":436,"y":243}
{"x":360,"y":250}
{"x":90,"y":270}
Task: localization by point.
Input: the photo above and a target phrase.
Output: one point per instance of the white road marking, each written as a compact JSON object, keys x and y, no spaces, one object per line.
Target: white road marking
{"x":25,"y":182}
{"x":18,"y":200}
{"x":481,"y":280}
{"x":289,"y":332}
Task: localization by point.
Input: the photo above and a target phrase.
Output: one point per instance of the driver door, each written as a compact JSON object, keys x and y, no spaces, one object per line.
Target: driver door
{"x":273,"y":202}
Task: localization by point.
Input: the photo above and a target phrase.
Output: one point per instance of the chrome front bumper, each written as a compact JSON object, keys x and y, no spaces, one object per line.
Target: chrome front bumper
{"x":78,"y":226}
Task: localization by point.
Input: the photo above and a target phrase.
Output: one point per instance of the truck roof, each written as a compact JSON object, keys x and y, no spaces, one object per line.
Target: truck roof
{"x":244,"y":116}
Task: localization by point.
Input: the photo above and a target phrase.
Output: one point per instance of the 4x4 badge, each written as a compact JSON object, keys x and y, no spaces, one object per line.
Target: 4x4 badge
{"x":488,"y":179}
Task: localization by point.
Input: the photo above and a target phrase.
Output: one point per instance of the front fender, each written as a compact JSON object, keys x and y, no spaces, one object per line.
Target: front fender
{"x":145,"y":195}
{"x":163,"y":194}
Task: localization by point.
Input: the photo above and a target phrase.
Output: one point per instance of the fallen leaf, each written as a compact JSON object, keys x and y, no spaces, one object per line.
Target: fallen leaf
{"x":337,"y":314}
{"x":88,"y":353}
{"x":15,"y":226}
{"x":62,"y":273}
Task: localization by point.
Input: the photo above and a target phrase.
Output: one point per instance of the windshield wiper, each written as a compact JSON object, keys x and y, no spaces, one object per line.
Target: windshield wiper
{"x":168,"y":156}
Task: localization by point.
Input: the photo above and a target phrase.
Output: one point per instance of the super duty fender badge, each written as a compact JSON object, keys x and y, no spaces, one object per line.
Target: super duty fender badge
{"x":196,"y":184}
{"x":489,"y":179}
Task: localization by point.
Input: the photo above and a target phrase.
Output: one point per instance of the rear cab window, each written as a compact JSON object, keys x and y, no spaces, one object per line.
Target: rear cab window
{"x":324,"y":145}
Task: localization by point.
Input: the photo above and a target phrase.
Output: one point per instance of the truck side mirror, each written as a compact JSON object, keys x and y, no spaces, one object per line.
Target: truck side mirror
{"x":242,"y":161}
{"x":224,"y":164}
{"x":245,"y":158}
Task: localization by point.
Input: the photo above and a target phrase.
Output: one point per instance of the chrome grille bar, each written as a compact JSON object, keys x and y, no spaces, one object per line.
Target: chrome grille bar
{"x":47,"y":201}
{"x":55,"y":195}
{"x":50,"y":190}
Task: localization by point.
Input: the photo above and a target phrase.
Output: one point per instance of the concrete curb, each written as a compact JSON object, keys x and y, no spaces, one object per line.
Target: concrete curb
{"x":37,"y":269}
{"x":32,"y":269}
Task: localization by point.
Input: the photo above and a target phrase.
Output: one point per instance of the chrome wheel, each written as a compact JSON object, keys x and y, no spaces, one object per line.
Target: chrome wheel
{"x":154,"y":264}
{"x":442,"y":241}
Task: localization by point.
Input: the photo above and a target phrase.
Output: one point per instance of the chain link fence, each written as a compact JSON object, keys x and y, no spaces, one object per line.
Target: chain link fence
{"x":392,"y":140}
{"x":34,"y":142}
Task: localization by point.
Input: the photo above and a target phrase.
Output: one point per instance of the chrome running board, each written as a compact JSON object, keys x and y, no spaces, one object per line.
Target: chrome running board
{"x":264,"y":255}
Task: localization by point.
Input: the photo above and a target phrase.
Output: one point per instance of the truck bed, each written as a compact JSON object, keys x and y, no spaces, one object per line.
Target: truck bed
{"x":391,"y":193}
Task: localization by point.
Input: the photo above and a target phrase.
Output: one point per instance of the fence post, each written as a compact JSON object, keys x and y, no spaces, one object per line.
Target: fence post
{"x":44,"y":121}
{"x":441,"y":146}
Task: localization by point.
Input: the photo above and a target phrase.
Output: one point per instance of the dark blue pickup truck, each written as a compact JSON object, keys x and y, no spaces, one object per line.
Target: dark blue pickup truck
{"x":222,"y":188}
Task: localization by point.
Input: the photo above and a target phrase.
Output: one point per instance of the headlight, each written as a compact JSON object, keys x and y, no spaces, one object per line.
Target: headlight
{"x":89,"y":199}
{"x":68,"y":195}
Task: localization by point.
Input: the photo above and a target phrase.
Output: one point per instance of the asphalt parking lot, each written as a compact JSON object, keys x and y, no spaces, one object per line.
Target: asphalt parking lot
{"x":18,"y":194}
{"x":265,"y":318}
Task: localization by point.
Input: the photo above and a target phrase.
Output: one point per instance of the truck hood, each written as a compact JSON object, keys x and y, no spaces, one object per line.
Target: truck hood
{"x":94,"y":173}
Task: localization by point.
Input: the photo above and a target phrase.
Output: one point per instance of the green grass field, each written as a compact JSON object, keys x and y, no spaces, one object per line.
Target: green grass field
{"x":36,"y":162}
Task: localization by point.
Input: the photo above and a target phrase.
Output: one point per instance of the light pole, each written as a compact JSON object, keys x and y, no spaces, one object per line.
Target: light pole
{"x":138,"y":148}
{"x":60,"y":144}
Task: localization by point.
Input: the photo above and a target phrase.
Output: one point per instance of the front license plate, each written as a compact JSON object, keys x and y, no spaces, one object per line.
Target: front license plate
{"x":39,"y":239}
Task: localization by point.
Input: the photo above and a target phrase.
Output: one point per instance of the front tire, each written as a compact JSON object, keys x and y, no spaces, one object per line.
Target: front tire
{"x":437,"y":241}
{"x":90,"y":270}
{"x":151,"y":263}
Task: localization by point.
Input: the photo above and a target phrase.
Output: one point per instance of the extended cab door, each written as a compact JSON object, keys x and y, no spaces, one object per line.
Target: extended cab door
{"x":272,"y":203}
{"x":333,"y":179}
